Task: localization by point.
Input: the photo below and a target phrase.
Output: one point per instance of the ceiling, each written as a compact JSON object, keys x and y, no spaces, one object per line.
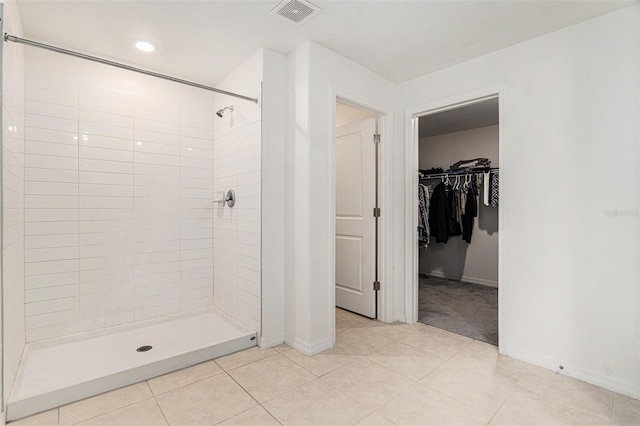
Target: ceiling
{"x":472,"y":116}
{"x":204,"y":40}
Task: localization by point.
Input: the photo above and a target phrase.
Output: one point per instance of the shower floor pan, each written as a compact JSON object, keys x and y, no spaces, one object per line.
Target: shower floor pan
{"x":61,"y":371}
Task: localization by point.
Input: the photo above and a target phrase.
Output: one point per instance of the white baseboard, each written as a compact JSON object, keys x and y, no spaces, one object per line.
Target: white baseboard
{"x":468,"y":279}
{"x":437,"y":274}
{"x":269,"y":342}
{"x":614,"y":384}
{"x":400,"y":317}
{"x":480,"y":281}
{"x":308,"y":348}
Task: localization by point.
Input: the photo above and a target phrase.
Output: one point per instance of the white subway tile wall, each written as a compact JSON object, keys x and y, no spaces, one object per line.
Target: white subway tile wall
{"x":119,"y":225}
{"x":13,"y":174}
{"x":236,"y":243}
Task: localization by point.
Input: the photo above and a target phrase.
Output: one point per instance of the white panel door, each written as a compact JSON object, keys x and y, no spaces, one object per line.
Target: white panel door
{"x":355,"y":224}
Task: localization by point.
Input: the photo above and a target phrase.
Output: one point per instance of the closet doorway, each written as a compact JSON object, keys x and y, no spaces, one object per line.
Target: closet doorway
{"x":356,"y":224}
{"x":458,"y":200}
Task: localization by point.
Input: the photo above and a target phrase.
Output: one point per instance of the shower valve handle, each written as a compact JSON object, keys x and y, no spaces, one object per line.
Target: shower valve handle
{"x":229,"y":199}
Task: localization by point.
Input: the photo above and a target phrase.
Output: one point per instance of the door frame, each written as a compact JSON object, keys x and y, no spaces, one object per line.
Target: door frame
{"x":411,"y":201}
{"x":384,"y":118}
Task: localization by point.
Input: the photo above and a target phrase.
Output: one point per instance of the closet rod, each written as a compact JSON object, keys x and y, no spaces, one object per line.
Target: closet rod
{"x":459,"y":173}
{"x":8,"y":37}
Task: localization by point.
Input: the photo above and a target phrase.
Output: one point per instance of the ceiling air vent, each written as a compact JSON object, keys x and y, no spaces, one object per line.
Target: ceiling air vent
{"x":296,"y":11}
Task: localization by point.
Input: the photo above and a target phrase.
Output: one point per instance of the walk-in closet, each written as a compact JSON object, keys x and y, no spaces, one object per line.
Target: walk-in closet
{"x":458,"y":202}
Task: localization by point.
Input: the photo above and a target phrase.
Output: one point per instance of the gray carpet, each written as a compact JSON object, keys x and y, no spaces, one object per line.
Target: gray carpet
{"x":462,"y":308}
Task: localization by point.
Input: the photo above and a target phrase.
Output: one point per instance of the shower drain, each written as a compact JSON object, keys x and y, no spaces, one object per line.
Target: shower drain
{"x":144,"y":348}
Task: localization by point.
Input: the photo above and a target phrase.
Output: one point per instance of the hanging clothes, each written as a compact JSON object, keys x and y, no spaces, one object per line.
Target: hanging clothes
{"x":486,"y":183}
{"x":453,"y":221}
{"x":424,"y":232}
{"x":463,"y":203}
{"x":470,"y":210}
{"x":495,"y":189}
{"x":459,"y":206}
{"x":439,"y":214}
{"x":452,"y":208}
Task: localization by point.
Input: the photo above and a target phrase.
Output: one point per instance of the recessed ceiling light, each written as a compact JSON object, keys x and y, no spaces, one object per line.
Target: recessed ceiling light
{"x":145,"y":46}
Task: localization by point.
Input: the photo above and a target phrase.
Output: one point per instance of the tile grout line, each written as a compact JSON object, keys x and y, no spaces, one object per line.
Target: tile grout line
{"x":159,"y":407}
{"x":454,"y":398}
{"x":349,"y":397}
{"x":445,"y":361}
{"x":461,"y":402}
{"x":271,"y":415}
{"x":498,"y":410}
{"x":403,"y":375}
{"x":185,"y":385}
{"x":564,"y":404}
{"x":249,"y":363}
{"x":301,"y":366}
{"x":382,"y":415}
{"x":110,"y":411}
{"x":252,"y":397}
{"x":398,"y":340}
{"x":324,"y":374}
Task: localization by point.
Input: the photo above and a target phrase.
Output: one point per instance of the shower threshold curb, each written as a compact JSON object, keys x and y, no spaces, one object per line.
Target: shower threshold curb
{"x":145,"y":365}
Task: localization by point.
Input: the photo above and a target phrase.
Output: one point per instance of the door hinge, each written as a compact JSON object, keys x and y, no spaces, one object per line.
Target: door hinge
{"x":376,"y":285}
{"x":376,"y":212}
{"x":376,"y":138}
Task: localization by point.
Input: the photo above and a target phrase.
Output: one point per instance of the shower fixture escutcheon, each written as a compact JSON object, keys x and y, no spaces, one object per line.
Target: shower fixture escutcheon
{"x":229,"y":199}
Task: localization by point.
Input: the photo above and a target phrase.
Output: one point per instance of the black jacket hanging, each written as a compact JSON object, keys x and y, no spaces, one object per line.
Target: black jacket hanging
{"x":439,"y":214}
{"x":470,"y":212}
{"x":454,"y":205}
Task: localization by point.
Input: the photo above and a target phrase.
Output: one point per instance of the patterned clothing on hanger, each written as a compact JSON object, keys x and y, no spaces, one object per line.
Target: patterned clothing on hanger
{"x":495,"y":189}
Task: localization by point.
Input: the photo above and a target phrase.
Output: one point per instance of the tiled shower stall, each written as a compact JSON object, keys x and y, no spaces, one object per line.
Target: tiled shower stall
{"x":119,"y":171}
{"x":120,"y":174}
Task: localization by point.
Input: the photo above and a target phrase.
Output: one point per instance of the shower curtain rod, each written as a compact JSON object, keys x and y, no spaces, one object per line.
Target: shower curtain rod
{"x":8,"y":37}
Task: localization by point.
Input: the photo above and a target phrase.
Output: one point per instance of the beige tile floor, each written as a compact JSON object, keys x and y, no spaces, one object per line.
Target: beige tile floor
{"x":377,"y":374}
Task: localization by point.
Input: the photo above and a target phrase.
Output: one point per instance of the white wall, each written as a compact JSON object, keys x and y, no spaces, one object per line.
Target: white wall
{"x":12,"y":199}
{"x":347,"y":115}
{"x":119,"y":178}
{"x":274,"y":113}
{"x":237,"y":166}
{"x":569,"y":193}
{"x":476,"y":262}
{"x":446,"y":149}
{"x":317,"y":76}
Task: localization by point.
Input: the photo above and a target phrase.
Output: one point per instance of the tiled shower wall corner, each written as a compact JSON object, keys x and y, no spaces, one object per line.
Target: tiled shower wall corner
{"x":237,"y":230}
{"x":12,"y":197}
